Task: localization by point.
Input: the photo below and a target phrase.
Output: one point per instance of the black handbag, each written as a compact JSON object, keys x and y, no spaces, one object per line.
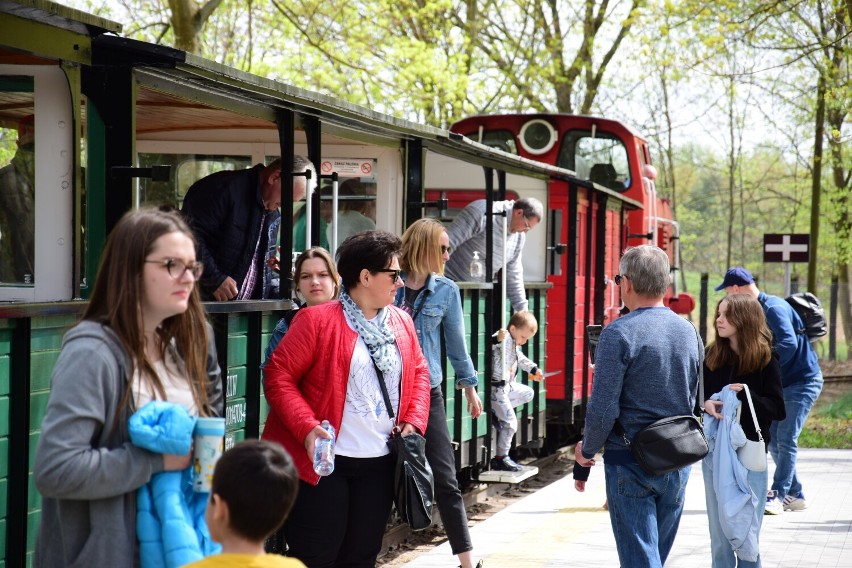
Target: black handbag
{"x":669,"y":444}
{"x":413,"y":485}
{"x":672,"y":442}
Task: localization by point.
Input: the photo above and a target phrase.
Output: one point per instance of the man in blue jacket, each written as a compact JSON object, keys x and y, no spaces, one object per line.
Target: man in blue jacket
{"x":801,"y":378}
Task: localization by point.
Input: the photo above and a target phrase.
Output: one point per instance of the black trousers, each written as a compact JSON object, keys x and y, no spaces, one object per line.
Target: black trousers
{"x":341,"y":521}
{"x":439,"y":452}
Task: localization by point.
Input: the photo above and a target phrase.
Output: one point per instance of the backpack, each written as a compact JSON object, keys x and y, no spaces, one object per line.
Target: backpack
{"x":810,"y":311}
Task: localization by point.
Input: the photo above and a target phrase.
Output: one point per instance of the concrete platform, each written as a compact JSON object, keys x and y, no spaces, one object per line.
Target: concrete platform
{"x":559,"y":527}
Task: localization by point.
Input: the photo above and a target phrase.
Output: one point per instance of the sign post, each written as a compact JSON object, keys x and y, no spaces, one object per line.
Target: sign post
{"x":786,"y":248}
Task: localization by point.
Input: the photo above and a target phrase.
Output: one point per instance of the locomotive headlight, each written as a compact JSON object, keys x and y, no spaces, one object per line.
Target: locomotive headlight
{"x":538,"y":136}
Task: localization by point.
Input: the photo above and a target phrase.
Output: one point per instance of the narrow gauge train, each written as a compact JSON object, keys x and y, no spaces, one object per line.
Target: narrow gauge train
{"x":101,"y":115}
{"x":586,"y":229}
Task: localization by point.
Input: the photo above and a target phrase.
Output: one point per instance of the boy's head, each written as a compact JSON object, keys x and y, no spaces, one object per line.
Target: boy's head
{"x":254,"y":488}
{"x":522,"y":326}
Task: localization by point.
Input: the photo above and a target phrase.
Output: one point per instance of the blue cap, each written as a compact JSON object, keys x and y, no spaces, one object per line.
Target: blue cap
{"x":736,"y":276}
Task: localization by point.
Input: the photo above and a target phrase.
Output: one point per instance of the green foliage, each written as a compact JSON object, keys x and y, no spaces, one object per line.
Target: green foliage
{"x":829,"y":425}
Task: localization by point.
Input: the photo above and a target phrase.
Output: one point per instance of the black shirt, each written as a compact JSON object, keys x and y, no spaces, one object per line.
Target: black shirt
{"x":766,"y":394}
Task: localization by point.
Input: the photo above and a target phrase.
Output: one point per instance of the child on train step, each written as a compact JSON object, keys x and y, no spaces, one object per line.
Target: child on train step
{"x":254,"y":488}
{"x":506,"y":393}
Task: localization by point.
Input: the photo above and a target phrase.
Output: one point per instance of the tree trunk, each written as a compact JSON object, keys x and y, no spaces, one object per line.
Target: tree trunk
{"x":816,"y":181}
{"x":188,"y":19}
{"x":844,"y":304}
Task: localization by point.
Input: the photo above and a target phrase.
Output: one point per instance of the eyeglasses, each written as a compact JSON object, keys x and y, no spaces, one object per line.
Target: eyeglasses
{"x":396,"y":272}
{"x":177,"y":268}
{"x":527,"y":224}
{"x":446,"y":250}
{"x":619,"y":277}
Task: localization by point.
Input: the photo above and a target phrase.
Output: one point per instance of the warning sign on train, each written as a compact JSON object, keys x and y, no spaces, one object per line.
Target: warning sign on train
{"x":350,"y":167}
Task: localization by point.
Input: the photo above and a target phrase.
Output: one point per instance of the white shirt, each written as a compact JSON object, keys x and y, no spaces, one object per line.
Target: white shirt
{"x":366,"y":425}
{"x":174,"y":383}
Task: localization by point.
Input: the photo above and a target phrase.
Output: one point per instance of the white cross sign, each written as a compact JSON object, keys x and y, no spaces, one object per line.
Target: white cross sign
{"x":786,"y":248}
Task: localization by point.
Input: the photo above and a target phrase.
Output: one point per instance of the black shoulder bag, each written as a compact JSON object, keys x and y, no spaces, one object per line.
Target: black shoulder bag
{"x":413,"y":486}
{"x":670,"y":443}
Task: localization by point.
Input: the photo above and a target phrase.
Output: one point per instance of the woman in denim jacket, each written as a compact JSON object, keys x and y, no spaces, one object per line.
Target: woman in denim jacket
{"x":434,"y":304}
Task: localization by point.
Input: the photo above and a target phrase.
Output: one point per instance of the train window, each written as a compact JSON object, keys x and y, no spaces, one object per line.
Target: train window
{"x":17,"y":181}
{"x":356,"y":208}
{"x":186,"y":169}
{"x":599,"y":157}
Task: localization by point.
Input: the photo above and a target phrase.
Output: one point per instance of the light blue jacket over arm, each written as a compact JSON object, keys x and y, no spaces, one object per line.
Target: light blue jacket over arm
{"x":737,"y":504}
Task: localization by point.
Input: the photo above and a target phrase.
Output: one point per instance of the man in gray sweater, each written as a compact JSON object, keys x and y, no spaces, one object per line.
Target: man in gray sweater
{"x":646,"y":369}
{"x":467,"y":235}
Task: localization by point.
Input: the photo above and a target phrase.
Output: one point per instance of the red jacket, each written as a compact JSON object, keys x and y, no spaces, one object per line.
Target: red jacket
{"x":305,"y":379}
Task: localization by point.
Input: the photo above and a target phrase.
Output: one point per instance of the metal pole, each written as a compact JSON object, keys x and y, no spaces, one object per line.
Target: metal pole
{"x":786,"y":279}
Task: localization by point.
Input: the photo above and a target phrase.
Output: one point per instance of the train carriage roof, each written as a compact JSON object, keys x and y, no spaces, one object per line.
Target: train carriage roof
{"x":59,"y":16}
{"x":184,"y":91}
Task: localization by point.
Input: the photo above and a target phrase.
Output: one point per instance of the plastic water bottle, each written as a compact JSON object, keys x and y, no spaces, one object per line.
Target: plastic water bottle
{"x":324,"y":451}
{"x":477,"y":271}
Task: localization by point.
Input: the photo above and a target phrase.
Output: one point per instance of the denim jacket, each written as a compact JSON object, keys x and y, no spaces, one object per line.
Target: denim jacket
{"x":437,"y":306}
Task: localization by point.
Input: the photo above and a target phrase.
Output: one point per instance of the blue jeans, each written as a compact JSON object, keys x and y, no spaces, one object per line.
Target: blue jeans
{"x":798,"y":401}
{"x":722,"y":553}
{"x":645,"y":512}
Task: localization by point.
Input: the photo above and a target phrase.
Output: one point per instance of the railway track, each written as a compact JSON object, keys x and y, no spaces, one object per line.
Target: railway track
{"x":837,"y":379}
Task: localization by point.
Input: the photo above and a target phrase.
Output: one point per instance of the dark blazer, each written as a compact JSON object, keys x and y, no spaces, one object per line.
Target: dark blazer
{"x":224,"y":211}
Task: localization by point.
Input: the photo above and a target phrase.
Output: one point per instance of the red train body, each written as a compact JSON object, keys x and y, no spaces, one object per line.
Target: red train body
{"x":604,"y":202}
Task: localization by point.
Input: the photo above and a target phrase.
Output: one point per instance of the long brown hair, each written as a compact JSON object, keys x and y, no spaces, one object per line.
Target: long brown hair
{"x":421,"y":247}
{"x":754,"y":340}
{"x":116,"y":303}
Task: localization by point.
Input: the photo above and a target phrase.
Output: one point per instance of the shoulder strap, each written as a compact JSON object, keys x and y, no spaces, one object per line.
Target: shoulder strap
{"x":384,"y":388}
{"x":753,"y":415}
{"x":700,"y":369}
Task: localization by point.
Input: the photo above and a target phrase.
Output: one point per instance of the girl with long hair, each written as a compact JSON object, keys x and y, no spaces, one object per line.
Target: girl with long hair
{"x":143,"y":337}
{"x":741,"y":355}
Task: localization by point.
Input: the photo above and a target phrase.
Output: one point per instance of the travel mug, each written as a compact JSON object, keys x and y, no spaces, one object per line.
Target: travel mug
{"x":209,"y":441}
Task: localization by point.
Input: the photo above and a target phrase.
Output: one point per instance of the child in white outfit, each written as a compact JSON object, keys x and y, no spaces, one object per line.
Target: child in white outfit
{"x":506,"y":394}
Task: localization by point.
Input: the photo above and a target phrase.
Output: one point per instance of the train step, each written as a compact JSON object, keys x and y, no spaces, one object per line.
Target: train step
{"x":495,"y":476}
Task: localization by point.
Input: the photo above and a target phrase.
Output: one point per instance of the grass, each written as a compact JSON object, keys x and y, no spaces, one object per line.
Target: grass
{"x":829,"y":425}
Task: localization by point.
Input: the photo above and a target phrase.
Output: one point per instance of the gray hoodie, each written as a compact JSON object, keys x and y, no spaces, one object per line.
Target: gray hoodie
{"x":86,"y":471}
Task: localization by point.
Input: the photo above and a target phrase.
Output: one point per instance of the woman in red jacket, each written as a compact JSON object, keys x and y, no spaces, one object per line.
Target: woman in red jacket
{"x":328,"y":367}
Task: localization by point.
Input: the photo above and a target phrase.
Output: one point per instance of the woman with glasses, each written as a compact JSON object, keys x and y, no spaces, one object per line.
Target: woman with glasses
{"x":143,"y":336}
{"x":434,"y":304}
{"x":331,"y":366}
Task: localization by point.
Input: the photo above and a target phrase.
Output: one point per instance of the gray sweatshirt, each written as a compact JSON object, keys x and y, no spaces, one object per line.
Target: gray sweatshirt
{"x":467,"y":234}
{"x":87,"y":471}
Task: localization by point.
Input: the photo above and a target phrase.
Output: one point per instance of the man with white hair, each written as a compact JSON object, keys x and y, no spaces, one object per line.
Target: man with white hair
{"x":646,"y":369}
{"x":467,"y":235}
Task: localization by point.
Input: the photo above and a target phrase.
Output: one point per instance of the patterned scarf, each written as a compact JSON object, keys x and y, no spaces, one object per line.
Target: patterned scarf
{"x":378,"y":336}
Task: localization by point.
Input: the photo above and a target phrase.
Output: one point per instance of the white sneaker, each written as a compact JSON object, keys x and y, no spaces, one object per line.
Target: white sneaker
{"x":795,"y":503}
{"x":774,"y":506}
